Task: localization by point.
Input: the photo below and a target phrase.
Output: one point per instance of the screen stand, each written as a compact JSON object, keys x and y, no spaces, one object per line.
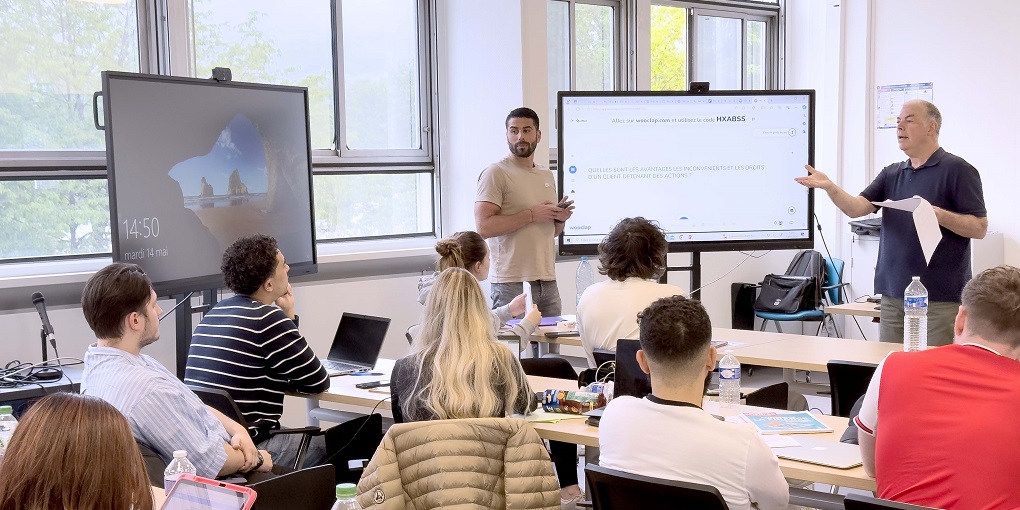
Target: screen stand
{"x":184,"y":325}
{"x":694,"y":269}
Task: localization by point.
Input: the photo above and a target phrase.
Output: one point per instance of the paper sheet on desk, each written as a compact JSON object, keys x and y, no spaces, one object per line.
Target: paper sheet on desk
{"x":925,"y":222}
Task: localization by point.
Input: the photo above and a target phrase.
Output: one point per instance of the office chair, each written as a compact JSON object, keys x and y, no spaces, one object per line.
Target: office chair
{"x":352,"y":440}
{"x":221,"y":401}
{"x":611,"y":490}
{"x":554,"y":367}
{"x":411,"y":332}
{"x":154,"y":464}
{"x":308,"y":489}
{"x":605,"y":363}
{"x":859,"y":502}
{"x":832,"y":293}
{"x":775,"y":396}
{"x":848,"y":381}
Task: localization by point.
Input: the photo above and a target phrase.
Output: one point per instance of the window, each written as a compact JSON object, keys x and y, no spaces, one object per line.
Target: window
{"x":732,"y":47}
{"x":370,"y":108}
{"x":584,"y":47}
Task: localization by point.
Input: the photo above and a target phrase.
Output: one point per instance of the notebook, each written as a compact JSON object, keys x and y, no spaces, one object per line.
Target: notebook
{"x":822,"y":452}
{"x":356,"y":344}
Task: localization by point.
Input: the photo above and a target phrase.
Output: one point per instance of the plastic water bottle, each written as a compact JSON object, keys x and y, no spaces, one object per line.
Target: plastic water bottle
{"x":7,"y":425}
{"x":915,"y":316}
{"x":177,"y":467}
{"x":583,"y":278}
{"x":345,"y":494}
{"x":729,"y":379}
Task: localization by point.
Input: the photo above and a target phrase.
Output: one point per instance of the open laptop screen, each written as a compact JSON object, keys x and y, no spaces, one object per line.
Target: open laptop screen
{"x":630,"y":380}
{"x":359,"y":338}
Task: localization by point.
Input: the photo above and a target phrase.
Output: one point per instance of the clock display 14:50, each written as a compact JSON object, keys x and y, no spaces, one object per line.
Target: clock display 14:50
{"x":142,"y":228}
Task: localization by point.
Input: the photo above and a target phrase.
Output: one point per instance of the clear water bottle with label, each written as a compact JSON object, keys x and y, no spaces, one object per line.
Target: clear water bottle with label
{"x":583,"y":278}
{"x":177,"y":467}
{"x":915,"y":316}
{"x":7,"y":425}
{"x":729,"y":379}
{"x":345,"y":497}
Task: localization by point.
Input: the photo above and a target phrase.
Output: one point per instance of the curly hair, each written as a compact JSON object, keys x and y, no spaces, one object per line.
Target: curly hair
{"x":248,"y":263}
{"x":674,"y":331}
{"x":636,"y":247}
{"x":462,"y":249}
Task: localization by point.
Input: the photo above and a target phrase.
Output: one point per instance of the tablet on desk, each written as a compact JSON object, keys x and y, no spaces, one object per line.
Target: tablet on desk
{"x":196,"y":493}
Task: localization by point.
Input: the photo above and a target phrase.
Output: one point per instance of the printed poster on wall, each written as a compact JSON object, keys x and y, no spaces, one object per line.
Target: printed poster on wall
{"x":892,"y":97}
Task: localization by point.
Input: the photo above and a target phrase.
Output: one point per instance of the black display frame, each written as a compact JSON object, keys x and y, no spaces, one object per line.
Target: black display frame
{"x":572,"y":250}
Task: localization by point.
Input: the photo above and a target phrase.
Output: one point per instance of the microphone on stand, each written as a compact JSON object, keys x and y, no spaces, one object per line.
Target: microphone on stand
{"x":45,"y":374}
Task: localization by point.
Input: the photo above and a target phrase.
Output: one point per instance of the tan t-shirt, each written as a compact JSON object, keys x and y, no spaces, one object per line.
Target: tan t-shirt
{"x":529,"y":253}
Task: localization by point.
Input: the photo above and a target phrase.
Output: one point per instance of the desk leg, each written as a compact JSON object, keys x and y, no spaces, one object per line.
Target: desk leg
{"x":311,"y":405}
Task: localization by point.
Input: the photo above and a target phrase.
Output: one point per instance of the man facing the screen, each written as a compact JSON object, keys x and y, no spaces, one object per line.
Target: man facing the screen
{"x":120,"y":306}
{"x":953,"y":187}
{"x":249,"y":346}
{"x":516,"y":210}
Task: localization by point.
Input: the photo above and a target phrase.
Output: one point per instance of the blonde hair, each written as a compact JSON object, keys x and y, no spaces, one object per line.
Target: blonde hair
{"x":73,"y":451}
{"x":462,"y":249}
{"x":463,"y":372}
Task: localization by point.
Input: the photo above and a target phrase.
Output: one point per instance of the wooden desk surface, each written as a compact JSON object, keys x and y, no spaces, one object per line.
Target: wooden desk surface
{"x":864,"y":309}
{"x":812,"y":352}
{"x":576,"y":431}
{"x":738,"y":337}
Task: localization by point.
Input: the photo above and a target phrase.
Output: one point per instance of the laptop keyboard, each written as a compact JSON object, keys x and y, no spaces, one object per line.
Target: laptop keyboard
{"x":340,"y":366}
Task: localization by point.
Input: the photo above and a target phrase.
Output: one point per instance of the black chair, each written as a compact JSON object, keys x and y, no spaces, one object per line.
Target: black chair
{"x":154,"y":464}
{"x":221,"y":401}
{"x":848,"y":380}
{"x":605,"y":363}
{"x":308,"y":489}
{"x":859,"y":502}
{"x":611,"y":490}
{"x":630,"y":379}
{"x":775,"y":396}
{"x":355,"y":439}
{"x":554,"y":367}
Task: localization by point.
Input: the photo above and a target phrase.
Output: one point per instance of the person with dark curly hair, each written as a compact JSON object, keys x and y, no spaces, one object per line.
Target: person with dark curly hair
{"x":633,"y":256}
{"x":250,"y":346}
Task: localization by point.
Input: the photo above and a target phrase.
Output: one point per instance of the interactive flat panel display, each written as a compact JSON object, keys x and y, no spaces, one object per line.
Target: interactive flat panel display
{"x":194,"y":164}
{"x":716,"y":170}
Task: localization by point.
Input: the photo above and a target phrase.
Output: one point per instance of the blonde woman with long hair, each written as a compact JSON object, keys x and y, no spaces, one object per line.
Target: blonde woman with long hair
{"x":457,"y":368}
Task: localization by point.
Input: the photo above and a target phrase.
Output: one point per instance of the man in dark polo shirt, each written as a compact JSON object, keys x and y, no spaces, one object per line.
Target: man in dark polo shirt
{"x":953,"y":187}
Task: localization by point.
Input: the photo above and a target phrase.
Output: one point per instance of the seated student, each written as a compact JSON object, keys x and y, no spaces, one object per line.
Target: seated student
{"x":667,"y":434}
{"x":249,"y":346}
{"x":633,"y":256}
{"x":935,"y":426}
{"x":468,"y":250}
{"x":73,"y":451}
{"x":120,"y":307}
{"x":457,"y":369}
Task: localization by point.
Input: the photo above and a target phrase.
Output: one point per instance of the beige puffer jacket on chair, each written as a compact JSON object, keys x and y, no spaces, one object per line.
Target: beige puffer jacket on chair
{"x":495,"y":463}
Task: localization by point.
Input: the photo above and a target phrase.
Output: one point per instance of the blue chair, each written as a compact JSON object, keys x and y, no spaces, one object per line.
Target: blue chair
{"x":832,"y":293}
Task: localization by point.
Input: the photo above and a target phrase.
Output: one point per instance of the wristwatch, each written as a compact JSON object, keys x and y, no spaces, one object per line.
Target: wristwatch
{"x":261,"y":461}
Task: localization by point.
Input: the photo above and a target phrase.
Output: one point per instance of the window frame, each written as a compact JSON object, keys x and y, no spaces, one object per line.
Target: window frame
{"x":162,"y":32}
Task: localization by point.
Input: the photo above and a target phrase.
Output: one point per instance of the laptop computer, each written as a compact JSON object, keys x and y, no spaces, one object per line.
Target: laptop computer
{"x":630,"y":380}
{"x":356,"y":344}
{"x":814,"y":450}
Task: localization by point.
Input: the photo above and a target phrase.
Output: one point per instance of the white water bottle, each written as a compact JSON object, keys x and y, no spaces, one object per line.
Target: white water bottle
{"x":177,"y":467}
{"x":915,"y":316}
{"x":345,"y":497}
{"x":583,"y":278}
{"x":729,"y":379}
{"x":7,"y":425}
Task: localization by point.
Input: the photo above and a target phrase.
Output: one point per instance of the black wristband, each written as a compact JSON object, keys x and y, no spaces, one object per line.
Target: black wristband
{"x":262,"y":460}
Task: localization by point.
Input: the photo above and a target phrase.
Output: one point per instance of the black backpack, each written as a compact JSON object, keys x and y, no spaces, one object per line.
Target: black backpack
{"x":799,"y":289}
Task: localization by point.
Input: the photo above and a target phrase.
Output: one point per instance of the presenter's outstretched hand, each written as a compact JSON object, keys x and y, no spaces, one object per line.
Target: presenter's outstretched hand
{"x":517,"y":305}
{"x":286,"y":302}
{"x":814,"y":179}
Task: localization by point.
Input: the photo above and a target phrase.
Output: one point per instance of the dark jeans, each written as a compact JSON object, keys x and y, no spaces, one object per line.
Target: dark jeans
{"x":564,"y":457}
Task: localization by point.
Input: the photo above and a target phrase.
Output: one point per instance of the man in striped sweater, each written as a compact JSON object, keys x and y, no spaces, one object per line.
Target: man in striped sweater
{"x":250,"y":346}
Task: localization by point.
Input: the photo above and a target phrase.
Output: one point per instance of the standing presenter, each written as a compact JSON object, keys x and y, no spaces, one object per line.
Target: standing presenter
{"x":953,"y":187}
